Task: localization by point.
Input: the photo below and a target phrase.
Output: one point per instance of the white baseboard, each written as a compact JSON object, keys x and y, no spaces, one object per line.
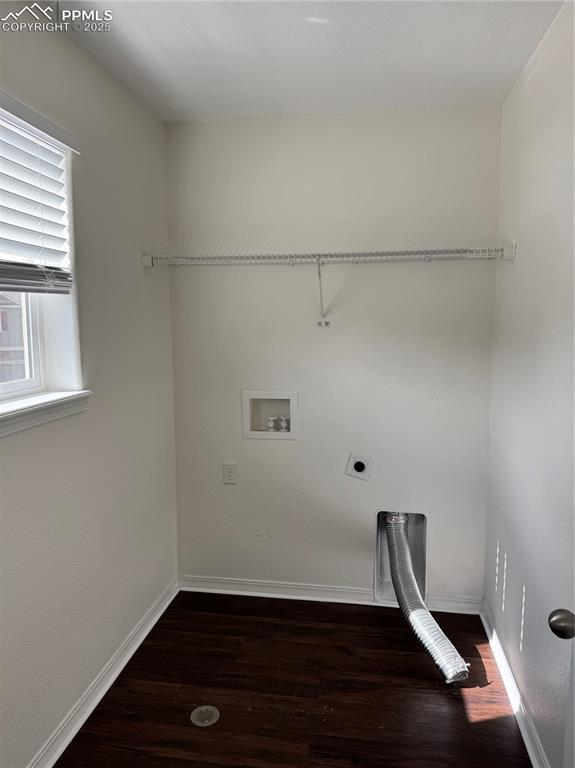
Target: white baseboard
{"x":526,"y":726}
{"x":285,"y":589}
{"x":320,"y":592}
{"x":454,"y":603}
{"x":76,"y":717}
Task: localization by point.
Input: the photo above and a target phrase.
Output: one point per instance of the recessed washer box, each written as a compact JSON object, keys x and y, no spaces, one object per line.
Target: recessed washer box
{"x":268,"y":415}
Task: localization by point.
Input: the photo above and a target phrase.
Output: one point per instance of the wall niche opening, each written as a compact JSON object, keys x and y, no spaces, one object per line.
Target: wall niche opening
{"x":269,"y":415}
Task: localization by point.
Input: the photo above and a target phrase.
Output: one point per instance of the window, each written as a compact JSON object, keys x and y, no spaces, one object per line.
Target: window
{"x":39,"y":348}
{"x":20,"y":344}
{"x":34,"y":249}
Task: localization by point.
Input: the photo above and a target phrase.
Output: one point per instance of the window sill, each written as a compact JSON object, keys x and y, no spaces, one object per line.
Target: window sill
{"x":27,"y":412}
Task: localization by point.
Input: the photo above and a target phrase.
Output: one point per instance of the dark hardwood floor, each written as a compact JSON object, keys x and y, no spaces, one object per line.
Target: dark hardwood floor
{"x":317,"y":685}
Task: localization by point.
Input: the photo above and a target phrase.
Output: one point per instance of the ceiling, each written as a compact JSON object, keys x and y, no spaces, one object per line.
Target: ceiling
{"x":190,"y":60}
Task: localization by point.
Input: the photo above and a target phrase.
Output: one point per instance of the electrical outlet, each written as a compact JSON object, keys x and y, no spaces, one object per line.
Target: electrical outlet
{"x":230,"y":472}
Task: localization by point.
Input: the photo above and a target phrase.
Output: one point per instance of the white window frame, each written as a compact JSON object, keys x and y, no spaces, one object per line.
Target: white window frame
{"x":33,"y":352}
{"x":56,"y":389}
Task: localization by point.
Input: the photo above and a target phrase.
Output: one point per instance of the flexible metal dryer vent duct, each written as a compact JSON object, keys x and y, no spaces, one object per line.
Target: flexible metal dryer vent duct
{"x":411,"y":602}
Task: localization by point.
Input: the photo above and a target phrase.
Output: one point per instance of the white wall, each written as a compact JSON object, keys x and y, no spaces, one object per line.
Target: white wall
{"x":87,"y":503}
{"x":402,"y":375}
{"x":531,"y":455}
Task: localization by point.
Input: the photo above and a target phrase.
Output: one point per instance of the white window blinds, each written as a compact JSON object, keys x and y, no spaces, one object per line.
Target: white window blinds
{"x":34,"y":197}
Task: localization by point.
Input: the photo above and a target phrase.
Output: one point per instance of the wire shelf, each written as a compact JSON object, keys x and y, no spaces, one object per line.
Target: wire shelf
{"x":368,"y":257}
